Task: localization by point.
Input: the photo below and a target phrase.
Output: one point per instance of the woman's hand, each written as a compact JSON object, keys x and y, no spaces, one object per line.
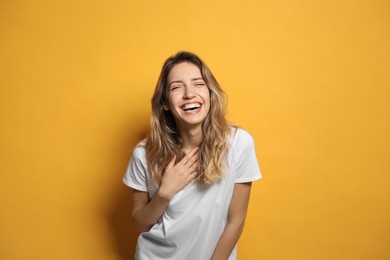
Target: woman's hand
{"x":177,"y":176}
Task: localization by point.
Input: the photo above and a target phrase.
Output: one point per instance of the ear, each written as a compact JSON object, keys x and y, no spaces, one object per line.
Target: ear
{"x":166,"y":107}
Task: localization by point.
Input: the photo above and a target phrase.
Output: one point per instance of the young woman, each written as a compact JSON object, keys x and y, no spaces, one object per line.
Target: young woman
{"x":191,"y":178}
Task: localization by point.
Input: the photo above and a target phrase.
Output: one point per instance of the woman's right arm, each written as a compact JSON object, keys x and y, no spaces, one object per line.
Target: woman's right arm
{"x":146,"y":212}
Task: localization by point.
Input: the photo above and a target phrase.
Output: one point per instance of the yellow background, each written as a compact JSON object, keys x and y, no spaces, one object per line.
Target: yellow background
{"x":309,"y":79}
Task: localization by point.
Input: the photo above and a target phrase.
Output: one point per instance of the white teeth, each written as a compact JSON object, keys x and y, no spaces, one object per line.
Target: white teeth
{"x":191,"y":106}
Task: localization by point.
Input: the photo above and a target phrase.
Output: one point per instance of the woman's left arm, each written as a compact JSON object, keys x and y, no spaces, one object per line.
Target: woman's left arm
{"x":235,"y":221}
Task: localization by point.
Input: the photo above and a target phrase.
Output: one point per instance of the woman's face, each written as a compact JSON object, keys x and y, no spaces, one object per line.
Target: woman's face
{"x":188,"y":97}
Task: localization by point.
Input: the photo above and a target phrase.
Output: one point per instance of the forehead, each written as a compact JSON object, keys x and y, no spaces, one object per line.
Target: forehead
{"x":184,"y":71}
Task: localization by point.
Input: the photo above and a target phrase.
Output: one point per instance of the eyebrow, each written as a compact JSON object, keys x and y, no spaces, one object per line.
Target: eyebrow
{"x":180,"y":81}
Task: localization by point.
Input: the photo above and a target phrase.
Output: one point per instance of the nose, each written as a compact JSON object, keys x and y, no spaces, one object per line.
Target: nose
{"x":189,"y":92}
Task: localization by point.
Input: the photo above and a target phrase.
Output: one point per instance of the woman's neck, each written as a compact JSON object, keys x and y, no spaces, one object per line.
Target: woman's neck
{"x":191,"y":138}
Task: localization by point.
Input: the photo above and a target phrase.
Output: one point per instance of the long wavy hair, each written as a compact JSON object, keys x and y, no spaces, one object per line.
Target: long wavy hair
{"x":164,"y":140}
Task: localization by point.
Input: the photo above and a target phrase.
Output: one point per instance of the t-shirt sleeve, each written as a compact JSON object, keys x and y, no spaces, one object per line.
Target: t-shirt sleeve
{"x":246,"y":165}
{"x":135,"y":176}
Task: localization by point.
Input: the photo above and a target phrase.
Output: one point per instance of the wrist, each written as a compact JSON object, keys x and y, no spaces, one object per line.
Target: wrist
{"x":164,"y":195}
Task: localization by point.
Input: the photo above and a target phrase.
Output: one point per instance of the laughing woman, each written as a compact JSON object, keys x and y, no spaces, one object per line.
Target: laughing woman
{"x":191,"y":178}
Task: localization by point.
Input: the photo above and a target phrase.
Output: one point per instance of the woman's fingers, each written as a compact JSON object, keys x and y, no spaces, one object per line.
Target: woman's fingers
{"x":172,"y":162}
{"x":194,"y":169}
{"x":178,"y":175}
{"x":187,"y":165}
{"x":190,"y":157}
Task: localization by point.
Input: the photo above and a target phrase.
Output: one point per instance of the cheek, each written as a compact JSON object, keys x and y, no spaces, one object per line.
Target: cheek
{"x":206,"y":97}
{"x":172,"y":101}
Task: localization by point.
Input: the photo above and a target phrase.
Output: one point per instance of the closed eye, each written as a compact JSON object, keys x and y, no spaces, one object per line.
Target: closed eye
{"x":174,"y":87}
{"x":199,"y":83}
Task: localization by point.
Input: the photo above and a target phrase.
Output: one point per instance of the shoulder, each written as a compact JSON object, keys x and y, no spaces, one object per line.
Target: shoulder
{"x":241,"y":137}
{"x":139,"y":152}
{"x":136,"y":172}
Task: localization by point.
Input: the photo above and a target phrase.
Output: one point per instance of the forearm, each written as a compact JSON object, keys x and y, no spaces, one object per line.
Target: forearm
{"x":148,"y":215}
{"x":227,"y":241}
{"x":235,"y":222}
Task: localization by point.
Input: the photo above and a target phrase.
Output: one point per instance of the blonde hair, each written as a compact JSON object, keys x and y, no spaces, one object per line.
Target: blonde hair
{"x":164,"y":140}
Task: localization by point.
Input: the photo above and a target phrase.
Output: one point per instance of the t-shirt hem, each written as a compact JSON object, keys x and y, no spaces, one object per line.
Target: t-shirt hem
{"x":248,"y":179}
{"x":134,"y":186}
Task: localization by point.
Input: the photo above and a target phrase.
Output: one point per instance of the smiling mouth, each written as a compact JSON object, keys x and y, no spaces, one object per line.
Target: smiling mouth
{"x":190,"y":106}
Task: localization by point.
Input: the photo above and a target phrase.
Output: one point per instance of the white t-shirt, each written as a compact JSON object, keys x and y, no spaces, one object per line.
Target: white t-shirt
{"x":195,"y":218}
